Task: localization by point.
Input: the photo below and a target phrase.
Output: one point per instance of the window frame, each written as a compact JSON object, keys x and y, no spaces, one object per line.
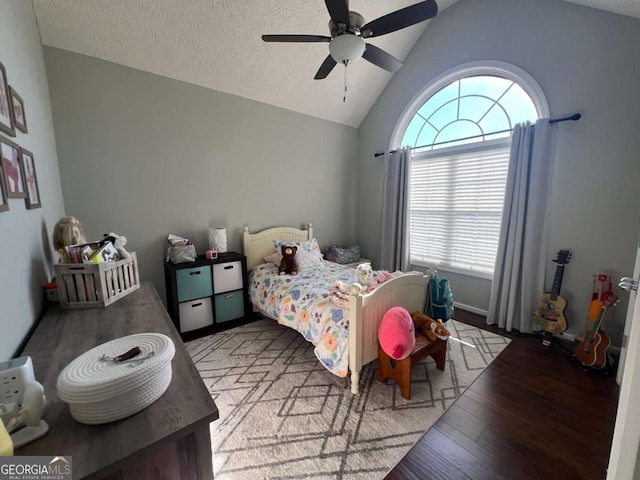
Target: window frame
{"x":492,"y":68}
{"x":489,"y":67}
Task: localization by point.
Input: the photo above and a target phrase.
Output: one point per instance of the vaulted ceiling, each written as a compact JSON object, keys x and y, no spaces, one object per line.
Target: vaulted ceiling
{"x":217,"y":44}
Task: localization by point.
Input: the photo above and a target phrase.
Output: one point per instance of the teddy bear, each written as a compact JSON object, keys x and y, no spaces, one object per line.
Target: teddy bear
{"x":431,"y":328}
{"x":288,"y":264}
{"x":119,"y":242}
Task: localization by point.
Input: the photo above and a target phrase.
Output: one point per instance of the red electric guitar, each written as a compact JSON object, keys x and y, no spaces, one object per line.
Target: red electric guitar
{"x":549,"y":316}
{"x":592,"y":350}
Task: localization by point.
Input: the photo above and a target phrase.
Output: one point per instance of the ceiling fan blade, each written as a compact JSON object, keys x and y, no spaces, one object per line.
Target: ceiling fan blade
{"x":296,"y":38}
{"x":339,"y":11}
{"x":399,"y":19}
{"x":325,"y":68}
{"x":382,"y":59}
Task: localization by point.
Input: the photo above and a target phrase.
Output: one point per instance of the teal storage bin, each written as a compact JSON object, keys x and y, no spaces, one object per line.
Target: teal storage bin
{"x":194,"y":283}
{"x":229,"y":306}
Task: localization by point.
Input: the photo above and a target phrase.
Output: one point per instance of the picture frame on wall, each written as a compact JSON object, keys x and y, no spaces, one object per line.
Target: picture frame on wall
{"x":32,"y":199}
{"x":4,"y":201}
{"x":6,"y":115}
{"x":12,"y":169}
{"x":17,"y":108}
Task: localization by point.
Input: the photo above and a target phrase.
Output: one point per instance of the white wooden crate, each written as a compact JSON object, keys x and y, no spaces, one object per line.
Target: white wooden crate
{"x":96,"y":285}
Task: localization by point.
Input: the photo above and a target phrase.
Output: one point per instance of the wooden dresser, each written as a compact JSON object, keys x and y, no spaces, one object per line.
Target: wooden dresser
{"x":168,"y":440}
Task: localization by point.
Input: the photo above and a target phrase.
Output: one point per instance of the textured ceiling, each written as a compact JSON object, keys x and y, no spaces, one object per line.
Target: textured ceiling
{"x":217,"y":44}
{"x":630,"y":8}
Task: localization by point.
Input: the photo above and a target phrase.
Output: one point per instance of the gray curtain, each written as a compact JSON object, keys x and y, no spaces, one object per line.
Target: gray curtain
{"x":519,"y":273}
{"x":394,"y":241}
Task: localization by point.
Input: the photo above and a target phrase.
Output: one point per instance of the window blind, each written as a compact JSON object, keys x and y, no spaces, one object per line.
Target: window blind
{"x":456,"y":200}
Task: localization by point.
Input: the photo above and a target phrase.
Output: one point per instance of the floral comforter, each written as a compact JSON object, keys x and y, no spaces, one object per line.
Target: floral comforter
{"x":302,"y":303}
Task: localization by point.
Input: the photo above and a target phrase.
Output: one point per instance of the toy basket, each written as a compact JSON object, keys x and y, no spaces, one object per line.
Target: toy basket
{"x":100,"y":388}
{"x":96,"y":285}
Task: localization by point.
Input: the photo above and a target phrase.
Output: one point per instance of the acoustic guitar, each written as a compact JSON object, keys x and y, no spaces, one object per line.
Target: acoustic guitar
{"x":592,"y":350}
{"x":549,"y":316}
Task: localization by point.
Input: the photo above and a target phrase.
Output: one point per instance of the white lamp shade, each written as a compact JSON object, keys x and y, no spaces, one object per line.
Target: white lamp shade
{"x":218,"y":239}
{"x":346,"y":48}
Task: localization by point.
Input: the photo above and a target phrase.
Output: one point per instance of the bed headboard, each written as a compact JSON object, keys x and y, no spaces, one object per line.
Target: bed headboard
{"x":256,"y":246}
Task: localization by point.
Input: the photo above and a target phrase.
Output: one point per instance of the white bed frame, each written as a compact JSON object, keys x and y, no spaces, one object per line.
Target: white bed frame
{"x":365,"y":310}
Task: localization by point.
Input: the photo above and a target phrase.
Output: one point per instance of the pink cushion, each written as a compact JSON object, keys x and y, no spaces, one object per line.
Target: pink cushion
{"x":396,"y":333}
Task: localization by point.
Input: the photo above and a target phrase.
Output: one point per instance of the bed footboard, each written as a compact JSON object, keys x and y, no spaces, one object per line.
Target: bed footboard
{"x":366,"y":312}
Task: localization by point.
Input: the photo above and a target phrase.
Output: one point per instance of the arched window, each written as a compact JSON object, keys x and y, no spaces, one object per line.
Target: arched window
{"x":460,"y":129}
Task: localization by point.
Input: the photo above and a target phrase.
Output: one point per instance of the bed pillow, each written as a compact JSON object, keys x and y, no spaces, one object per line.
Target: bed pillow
{"x":275,"y":258}
{"x":308,"y":254}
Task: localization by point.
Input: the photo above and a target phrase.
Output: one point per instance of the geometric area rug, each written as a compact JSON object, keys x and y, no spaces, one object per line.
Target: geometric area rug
{"x":284,"y":416}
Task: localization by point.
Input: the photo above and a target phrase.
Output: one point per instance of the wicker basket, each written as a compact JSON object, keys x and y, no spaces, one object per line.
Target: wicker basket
{"x":99,"y":390}
{"x":96,"y":285}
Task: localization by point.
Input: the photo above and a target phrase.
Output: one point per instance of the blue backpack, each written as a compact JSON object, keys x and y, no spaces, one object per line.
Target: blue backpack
{"x":441,"y":299}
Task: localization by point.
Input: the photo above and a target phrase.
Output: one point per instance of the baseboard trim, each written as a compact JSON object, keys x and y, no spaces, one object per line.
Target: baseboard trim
{"x":569,"y":337}
{"x":471,"y":309}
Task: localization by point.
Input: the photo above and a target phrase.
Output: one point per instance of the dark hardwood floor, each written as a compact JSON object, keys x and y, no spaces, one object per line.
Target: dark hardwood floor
{"x":532,"y":414}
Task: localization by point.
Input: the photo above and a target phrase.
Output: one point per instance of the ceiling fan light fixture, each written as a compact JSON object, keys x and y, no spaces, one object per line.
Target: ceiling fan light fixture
{"x":348,"y":31}
{"x":346,"y":48}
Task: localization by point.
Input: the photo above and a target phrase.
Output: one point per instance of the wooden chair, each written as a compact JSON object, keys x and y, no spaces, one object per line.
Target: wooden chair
{"x":400,"y":370}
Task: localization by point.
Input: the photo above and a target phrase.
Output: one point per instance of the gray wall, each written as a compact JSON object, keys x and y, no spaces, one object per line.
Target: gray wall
{"x":25,"y":251}
{"x":144,"y":156}
{"x":586,"y":61}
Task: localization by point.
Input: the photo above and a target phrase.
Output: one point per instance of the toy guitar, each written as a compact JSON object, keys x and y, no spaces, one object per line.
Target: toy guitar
{"x":592,"y":350}
{"x":549,"y":316}
{"x":598,"y":296}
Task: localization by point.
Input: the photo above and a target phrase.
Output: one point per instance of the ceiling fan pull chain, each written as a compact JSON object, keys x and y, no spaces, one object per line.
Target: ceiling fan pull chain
{"x":344,"y":97}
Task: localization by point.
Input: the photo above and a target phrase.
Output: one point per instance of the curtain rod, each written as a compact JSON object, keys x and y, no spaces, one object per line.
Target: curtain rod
{"x":574,"y":117}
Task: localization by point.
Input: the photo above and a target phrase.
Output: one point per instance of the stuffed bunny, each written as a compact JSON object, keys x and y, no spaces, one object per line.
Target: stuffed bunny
{"x":119,"y":242}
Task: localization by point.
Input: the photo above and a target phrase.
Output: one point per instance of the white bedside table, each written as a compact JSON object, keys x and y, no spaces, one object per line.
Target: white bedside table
{"x":355,"y":264}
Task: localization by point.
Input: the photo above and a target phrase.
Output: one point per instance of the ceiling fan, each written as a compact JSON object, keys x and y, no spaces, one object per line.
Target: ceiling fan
{"x":348,"y":31}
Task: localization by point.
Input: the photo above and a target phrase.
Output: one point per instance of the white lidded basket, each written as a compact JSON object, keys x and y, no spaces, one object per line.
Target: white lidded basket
{"x":100,"y":389}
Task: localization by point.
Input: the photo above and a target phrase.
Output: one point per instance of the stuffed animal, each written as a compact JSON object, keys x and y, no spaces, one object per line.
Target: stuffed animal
{"x":431,"y":328}
{"x":288,"y":264}
{"x":119,"y":242}
{"x":364,"y":274}
{"x":439,"y":330}
{"x":68,"y":231}
{"x":420,"y":320}
{"x":396,"y":333}
{"x":370,"y":279}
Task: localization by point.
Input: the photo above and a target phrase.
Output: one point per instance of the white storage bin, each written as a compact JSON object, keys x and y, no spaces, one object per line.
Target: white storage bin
{"x":101,"y":390}
{"x":227,"y":277}
{"x":195,"y":314}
